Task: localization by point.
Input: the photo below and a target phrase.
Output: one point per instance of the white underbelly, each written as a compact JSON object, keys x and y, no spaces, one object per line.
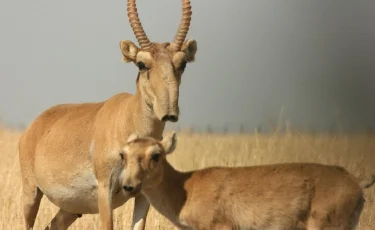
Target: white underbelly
{"x":72,"y":193}
{"x":76,"y":194}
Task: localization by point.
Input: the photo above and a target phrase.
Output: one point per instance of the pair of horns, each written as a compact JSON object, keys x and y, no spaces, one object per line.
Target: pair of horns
{"x":141,"y":36}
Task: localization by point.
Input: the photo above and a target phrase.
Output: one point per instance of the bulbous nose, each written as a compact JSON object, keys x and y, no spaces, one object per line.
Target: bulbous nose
{"x":171,"y":118}
{"x":128,"y":188}
{"x":132,"y":188}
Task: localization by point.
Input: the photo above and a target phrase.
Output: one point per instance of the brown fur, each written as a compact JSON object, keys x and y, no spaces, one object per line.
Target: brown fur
{"x":70,"y":152}
{"x":279,"y":196}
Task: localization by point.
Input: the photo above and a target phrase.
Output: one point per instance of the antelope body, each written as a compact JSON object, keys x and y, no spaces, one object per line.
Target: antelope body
{"x":291,"y":196}
{"x":70,"y":152}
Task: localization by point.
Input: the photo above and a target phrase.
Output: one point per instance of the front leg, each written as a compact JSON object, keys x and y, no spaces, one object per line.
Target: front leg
{"x":141,"y":207}
{"x":105,"y":206}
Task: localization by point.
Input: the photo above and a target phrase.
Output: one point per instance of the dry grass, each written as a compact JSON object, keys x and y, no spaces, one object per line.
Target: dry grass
{"x":355,"y":152}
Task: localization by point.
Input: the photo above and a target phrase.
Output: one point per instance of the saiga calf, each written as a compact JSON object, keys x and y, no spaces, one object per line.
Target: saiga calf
{"x":291,"y":196}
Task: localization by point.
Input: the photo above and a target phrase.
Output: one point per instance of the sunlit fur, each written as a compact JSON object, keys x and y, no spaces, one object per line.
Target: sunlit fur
{"x":285,"y":196}
{"x":70,"y":153}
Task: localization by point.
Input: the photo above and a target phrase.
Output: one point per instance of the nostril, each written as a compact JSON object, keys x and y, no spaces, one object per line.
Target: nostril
{"x":165,"y":118}
{"x":173,"y":118}
{"x":128,"y":188}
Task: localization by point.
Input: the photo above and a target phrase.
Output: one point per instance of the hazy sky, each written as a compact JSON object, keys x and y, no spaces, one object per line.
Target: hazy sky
{"x":313,"y":58}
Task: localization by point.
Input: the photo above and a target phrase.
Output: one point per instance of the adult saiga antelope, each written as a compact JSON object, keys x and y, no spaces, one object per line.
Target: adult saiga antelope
{"x":291,"y":196}
{"x":70,"y":151}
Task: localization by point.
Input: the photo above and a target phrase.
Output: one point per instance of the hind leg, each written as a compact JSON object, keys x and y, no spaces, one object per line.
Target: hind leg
{"x":62,"y":220}
{"x":31,"y":201}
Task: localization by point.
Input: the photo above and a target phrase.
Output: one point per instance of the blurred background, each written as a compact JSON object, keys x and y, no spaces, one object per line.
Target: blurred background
{"x":259,"y":64}
{"x":273,"y":81}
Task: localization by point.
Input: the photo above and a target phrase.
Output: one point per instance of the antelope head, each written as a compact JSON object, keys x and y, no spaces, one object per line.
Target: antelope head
{"x":143,"y":158}
{"x":160,"y":64}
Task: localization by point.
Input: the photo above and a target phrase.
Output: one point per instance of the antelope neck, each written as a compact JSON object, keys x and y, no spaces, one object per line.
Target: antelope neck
{"x":170,"y":195}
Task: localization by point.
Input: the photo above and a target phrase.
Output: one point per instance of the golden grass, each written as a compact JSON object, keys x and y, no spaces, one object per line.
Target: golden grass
{"x":355,"y":152}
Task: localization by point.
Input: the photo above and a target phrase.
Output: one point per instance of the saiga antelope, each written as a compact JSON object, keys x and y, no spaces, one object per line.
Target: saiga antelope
{"x":279,"y":196}
{"x":70,"y":151}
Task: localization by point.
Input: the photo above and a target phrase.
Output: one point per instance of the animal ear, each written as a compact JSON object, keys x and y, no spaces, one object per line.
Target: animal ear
{"x":129,"y":51}
{"x":132,"y":137}
{"x":169,"y":142}
{"x":189,"y":48}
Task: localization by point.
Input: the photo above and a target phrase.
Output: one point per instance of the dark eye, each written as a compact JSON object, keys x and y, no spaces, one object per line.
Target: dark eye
{"x":122,"y":155}
{"x":183,"y":66}
{"x":155,"y":157}
{"x":141,"y":65}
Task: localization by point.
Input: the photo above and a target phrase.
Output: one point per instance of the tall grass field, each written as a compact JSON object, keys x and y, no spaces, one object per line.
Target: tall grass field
{"x":356,"y":152}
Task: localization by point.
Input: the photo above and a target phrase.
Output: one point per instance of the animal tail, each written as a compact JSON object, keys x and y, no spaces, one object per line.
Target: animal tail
{"x":367,"y":182}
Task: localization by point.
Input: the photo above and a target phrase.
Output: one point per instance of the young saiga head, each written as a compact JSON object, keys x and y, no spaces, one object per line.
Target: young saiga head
{"x":143,"y":159}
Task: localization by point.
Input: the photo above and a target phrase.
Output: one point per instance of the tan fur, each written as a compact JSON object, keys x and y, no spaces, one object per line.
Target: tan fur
{"x":70,"y":153}
{"x":280,"y":196}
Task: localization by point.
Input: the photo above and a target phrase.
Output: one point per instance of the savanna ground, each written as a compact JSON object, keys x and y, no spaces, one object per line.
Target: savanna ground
{"x":355,"y":152}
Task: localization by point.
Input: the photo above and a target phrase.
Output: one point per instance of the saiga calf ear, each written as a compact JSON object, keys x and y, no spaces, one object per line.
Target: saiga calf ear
{"x":169,"y":142}
{"x":132,"y":137}
{"x":129,"y":51}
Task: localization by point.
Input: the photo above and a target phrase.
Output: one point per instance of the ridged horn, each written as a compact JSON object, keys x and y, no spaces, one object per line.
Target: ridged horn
{"x":137,"y":26}
{"x":184,"y":26}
